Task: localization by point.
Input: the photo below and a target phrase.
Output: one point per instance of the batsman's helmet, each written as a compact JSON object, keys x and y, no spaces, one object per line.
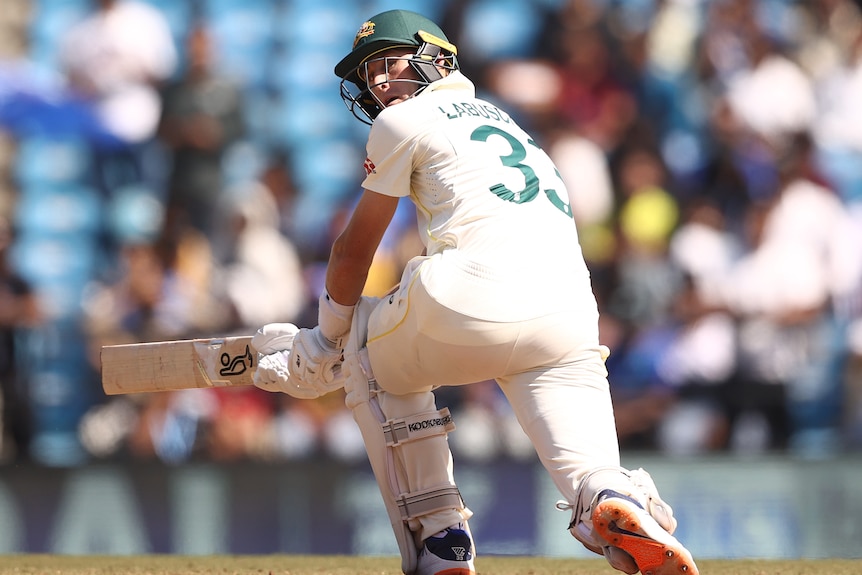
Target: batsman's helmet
{"x":393,"y":29}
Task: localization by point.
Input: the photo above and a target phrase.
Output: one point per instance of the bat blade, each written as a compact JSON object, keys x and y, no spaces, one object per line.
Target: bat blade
{"x":180,"y":364}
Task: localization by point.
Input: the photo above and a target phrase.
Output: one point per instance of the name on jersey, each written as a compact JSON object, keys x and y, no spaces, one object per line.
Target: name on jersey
{"x":486,"y":111}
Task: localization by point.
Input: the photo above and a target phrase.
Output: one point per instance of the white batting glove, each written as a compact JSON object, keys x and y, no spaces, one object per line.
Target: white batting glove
{"x":274,"y":337}
{"x":273,"y":375}
{"x":317,"y":360}
{"x":301,"y":363}
{"x":273,"y":343}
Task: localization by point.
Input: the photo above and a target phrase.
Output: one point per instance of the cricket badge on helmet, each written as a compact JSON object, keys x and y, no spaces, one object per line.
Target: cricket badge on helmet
{"x":367,"y":29}
{"x":393,"y":29}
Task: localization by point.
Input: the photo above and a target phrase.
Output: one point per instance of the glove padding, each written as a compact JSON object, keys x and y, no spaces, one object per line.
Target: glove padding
{"x":273,"y":375}
{"x":275,"y":344}
{"x":274,"y":337}
{"x":317,"y":360}
{"x":299,"y":362}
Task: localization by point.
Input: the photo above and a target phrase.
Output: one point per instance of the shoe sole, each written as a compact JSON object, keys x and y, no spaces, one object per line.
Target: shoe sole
{"x":655,"y":551}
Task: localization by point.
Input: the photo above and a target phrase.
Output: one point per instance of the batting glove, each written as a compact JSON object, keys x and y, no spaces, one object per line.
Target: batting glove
{"x":273,"y":375}
{"x":317,"y":360}
{"x":274,"y":337}
{"x":301,"y":363}
{"x":273,"y":343}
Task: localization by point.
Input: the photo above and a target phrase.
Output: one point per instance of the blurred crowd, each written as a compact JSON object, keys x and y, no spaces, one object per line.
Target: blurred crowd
{"x":154,"y":185}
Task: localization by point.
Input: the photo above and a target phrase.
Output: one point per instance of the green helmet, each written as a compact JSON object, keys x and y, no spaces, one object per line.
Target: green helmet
{"x":391,"y":29}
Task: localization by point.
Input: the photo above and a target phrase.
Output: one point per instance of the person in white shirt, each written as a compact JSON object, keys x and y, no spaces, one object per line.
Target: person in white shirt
{"x":117,"y":57}
{"x":501,"y":292}
{"x":116,"y":61}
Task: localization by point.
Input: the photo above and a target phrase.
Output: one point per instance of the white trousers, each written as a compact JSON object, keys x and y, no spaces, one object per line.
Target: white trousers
{"x":549,"y":368}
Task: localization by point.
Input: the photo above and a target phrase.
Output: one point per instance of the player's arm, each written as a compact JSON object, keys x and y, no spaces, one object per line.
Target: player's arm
{"x":353,"y":250}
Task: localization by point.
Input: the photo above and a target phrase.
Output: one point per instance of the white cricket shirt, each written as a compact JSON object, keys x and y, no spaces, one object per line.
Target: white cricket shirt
{"x":493,"y":212}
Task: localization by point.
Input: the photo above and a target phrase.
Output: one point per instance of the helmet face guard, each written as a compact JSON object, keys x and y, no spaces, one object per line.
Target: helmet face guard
{"x":427,"y":62}
{"x":393,"y":29}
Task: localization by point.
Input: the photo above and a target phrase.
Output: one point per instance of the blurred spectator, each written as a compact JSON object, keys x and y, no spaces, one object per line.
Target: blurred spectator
{"x":13,"y":18}
{"x":802,"y":255}
{"x":772,"y":96}
{"x":697,"y":365}
{"x":278,"y":178}
{"x":202,"y":118}
{"x":160,"y":293}
{"x":827,"y":36}
{"x":19,"y":310}
{"x":259,"y":272}
{"x":838,"y":130}
{"x":642,"y":294}
{"x":700,"y":359}
{"x":592,"y":97}
{"x":648,"y":215}
{"x":728,"y":178}
{"x":116,"y":59}
{"x":721,"y":52}
{"x":295,"y":428}
{"x":724,"y":249}
{"x":239,"y":426}
{"x":704,"y":248}
{"x":168,"y":425}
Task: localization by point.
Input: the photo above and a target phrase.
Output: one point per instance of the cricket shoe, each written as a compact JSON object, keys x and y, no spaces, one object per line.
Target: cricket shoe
{"x":624,"y":524}
{"x":449,"y":552}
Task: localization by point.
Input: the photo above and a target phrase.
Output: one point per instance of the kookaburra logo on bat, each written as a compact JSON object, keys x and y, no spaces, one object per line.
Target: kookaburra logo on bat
{"x":236,"y":365}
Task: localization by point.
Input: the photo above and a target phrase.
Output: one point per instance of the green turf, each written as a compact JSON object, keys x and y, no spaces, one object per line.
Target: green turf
{"x":336,"y":565}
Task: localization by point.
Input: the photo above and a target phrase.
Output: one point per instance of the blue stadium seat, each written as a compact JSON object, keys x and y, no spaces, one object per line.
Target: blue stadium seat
{"x":134,"y":213}
{"x":243,"y":162}
{"x":50,"y":260}
{"x":243,"y":37}
{"x":298,"y":116}
{"x":500,"y":28}
{"x":60,"y":390}
{"x":210,"y":8}
{"x":327,"y":168}
{"x":302,"y":25}
{"x":57,"y":210}
{"x":45,"y":160}
{"x":49,"y":20}
{"x":257,"y":114}
{"x":305,"y":68}
{"x":430,"y":8}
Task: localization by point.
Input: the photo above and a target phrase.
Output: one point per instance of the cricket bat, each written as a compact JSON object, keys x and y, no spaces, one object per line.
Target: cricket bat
{"x":180,"y":364}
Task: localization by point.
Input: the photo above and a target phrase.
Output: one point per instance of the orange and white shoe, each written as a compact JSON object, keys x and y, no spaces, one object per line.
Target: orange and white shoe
{"x":624,"y":524}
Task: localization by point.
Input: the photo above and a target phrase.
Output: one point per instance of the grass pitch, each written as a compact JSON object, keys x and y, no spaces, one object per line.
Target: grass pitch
{"x":342,"y":565}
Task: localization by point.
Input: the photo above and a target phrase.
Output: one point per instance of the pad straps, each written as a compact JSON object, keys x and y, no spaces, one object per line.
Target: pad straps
{"x":421,"y":503}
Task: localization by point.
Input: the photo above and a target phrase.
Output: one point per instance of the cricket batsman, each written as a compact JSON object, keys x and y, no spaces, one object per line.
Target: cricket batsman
{"x":500,"y":292}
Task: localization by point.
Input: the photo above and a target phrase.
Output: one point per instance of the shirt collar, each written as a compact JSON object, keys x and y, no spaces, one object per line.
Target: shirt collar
{"x":453,"y":81}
